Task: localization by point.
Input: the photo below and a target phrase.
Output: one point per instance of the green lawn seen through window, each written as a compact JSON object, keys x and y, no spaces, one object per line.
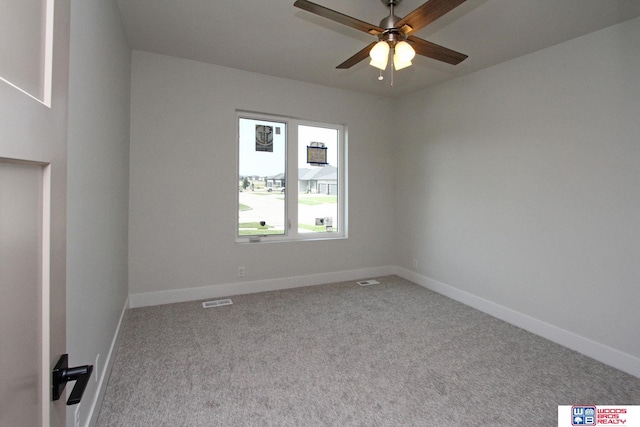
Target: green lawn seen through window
{"x":317,"y":199}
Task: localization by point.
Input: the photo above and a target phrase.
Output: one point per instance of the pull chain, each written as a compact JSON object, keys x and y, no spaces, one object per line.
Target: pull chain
{"x":392,"y":67}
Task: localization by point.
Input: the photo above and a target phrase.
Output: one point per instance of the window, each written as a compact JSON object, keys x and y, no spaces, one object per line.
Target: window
{"x":291,"y":179}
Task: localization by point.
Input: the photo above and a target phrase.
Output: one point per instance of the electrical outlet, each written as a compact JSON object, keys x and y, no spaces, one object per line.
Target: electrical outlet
{"x":96,"y":371}
{"x":415,"y":263}
{"x":240,"y":271}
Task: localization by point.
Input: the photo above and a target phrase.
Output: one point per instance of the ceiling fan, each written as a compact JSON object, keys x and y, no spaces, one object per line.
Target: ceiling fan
{"x":394,"y":33}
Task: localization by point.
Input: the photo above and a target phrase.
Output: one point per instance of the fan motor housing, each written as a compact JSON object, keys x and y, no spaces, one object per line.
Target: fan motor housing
{"x":390,"y":21}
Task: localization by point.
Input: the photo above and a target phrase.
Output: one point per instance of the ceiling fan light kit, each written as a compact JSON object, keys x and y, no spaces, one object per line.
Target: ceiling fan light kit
{"x":402,"y":56}
{"x":379,"y":55}
{"x":393,"y":38}
{"x":393,"y":34}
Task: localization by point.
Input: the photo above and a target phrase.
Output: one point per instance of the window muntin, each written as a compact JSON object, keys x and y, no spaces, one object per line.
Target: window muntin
{"x":280,"y":195}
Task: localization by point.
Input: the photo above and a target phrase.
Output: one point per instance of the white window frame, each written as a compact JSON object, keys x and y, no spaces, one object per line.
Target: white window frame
{"x":291,"y":173}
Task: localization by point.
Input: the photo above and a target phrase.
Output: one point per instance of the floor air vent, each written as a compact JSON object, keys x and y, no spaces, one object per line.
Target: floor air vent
{"x":216,"y":303}
{"x":368,"y":282}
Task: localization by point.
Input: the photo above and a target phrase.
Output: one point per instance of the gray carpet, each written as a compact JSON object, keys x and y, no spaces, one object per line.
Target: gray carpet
{"x":393,"y":354}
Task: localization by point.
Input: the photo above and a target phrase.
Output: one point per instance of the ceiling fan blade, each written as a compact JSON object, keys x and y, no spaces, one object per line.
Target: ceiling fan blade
{"x":434,"y":51}
{"x":427,"y":13}
{"x":363,"y":54}
{"x":338,"y":17}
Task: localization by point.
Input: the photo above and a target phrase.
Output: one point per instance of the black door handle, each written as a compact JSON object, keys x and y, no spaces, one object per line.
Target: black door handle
{"x":62,"y":374}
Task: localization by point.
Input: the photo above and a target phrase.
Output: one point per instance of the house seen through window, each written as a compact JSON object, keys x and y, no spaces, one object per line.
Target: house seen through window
{"x":291,"y":179}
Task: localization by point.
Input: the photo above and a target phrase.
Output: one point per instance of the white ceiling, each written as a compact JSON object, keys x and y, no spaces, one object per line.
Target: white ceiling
{"x":275,"y":38}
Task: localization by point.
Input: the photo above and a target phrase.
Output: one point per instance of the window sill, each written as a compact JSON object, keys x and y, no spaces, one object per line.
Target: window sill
{"x":272,"y":239}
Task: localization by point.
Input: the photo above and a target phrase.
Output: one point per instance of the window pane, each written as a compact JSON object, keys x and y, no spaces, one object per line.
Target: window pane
{"x":317,"y":183}
{"x":262,"y":180}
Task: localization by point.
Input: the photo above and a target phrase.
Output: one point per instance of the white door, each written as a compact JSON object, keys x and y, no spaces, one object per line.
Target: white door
{"x":34,"y":46}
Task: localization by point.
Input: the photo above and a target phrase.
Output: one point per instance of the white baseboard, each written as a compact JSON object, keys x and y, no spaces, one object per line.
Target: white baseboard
{"x":94,"y":409}
{"x":603,"y":353}
{"x":225,"y":290}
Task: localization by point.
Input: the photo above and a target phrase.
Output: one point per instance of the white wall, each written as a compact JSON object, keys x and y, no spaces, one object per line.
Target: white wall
{"x":183,"y":177}
{"x":98,"y":175}
{"x":519,"y":185}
